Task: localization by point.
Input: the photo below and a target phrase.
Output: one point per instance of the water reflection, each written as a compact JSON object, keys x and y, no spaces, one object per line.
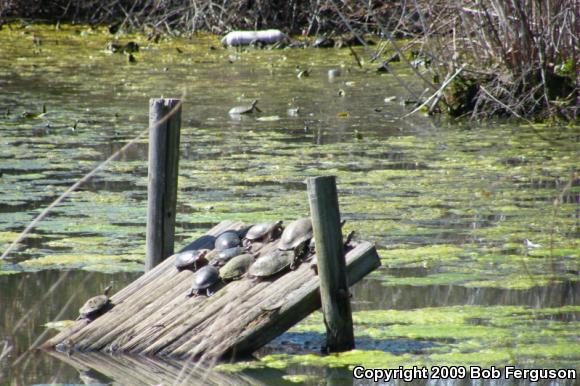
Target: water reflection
{"x":373,"y":295}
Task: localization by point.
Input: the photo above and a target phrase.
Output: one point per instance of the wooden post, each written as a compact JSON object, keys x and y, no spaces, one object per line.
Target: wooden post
{"x":164,"y":127}
{"x":334,"y":293}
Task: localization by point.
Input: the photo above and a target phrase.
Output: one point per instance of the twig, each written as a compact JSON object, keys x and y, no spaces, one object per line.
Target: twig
{"x":438,"y":92}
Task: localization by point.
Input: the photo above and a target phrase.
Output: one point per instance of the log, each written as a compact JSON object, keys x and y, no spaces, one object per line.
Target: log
{"x":334,"y":292}
{"x":164,"y":128}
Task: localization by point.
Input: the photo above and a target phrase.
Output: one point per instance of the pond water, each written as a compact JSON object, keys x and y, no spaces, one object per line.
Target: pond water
{"x":448,"y":205}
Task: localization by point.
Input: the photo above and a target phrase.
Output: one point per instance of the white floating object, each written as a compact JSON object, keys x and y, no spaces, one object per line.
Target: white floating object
{"x":241,"y":38}
{"x":530,"y":244}
{"x":333,"y":73}
{"x":270,"y":118}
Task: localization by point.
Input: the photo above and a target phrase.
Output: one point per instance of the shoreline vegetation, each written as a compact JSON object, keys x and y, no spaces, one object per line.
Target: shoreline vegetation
{"x":477,"y":59}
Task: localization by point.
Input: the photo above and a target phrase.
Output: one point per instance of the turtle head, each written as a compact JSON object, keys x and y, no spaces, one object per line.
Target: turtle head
{"x":107,"y":290}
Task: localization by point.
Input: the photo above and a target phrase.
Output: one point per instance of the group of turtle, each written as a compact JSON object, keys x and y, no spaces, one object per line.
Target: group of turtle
{"x":235,"y":255}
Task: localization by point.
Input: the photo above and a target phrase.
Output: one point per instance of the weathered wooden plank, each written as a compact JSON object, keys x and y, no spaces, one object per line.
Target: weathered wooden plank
{"x":360,"y":261}
{"x":164,"y":130}
{"x":334,"y":296}
{"x":137,"y":292}
{"x":241,"y":317}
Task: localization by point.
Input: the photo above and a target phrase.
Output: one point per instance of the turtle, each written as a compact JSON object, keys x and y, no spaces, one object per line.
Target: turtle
{"x":192,"y":259}
{"x":323,"y":42}
{"x":222,"y":257}
{"x":245,"y":109}
{"x":95,"y":305}
{"x":204,"y":279}
{"x":236,"y":267}
{"x":226,"y":240}
{"x":271,"y":263}
{"x":264,"y":231}
{"x":297,"y":236}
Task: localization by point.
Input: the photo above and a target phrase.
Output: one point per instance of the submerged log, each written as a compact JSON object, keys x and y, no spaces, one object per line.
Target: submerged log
{"x":131,"y":370}
{"x":152,"y":316}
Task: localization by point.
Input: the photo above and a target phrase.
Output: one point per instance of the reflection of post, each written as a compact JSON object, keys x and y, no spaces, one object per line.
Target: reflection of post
{"x":164,"y":127}
{"x":334,"y":292}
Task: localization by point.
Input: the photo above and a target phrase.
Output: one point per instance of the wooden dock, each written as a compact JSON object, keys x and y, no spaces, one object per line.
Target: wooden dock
{"x":153,"y":317}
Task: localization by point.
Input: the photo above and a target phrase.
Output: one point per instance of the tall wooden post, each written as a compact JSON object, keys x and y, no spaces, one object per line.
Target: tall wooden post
{"x":164,"y":128}
{"x":334,"y":293}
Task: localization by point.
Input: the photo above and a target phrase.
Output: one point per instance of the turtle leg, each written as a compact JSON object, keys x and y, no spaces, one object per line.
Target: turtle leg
{"x":209,"y":292}
{"x":189,"y":293}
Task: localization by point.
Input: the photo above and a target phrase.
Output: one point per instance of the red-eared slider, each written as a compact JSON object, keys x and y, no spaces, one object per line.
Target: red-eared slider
{"x":271,"y":263}
{"x":95,"y":305}
{"x":236,"y":267}
{"x":265,"y":232}
{"x":222,"y":257}
{"x":193,"y":259}
{"x":204,"y":279}
{"x":245,"y":109}
{"x":227,"y":240}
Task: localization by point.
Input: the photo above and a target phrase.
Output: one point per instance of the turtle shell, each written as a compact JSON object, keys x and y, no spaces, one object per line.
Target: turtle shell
{"x":205,"y":277}
{"x":244,"y":109}
{"x":262,"y":229}
{"x":295,"y":234}
{"x":271,"y":263}
{"x":226,"y":255}
{"x":95,"y":304}
{"x":227,"y":240}
{"x":236,"y":267}
{"x":190,"y":258}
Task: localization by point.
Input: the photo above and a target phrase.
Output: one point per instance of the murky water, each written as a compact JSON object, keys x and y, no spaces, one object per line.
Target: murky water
{"x":449,"y":206}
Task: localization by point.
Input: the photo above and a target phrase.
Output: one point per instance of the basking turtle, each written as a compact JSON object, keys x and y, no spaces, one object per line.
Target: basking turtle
{"x":297,"y":236}
{"x":204,"y":279}
{"x":222,"y":257}
{"x":245,"y":109}
{"x":236,"y":267}
{"x":193,"y":259}
{"x":95,"y":305}
{"x":265,"y":232}
{"x":227,"y":240}
{"x":272,"y":263}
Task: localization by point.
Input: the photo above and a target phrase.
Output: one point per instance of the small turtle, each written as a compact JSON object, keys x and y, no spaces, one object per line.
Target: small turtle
{"x":265,"y":232}
{"x":245,"y":109}
{"x":95,"y":305}
{"x":323,"y":42}
{"x":297,"y":236}
{"x":272,"y":263}
{"x":193,"y":259}
{"x":222,"y":257}
{"x":236,"y":267}
{"x":226,"y":240}
{"x":204,"y":279}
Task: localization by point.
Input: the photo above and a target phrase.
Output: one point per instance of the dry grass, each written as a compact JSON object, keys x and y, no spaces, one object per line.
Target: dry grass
{"x":521,"y":54}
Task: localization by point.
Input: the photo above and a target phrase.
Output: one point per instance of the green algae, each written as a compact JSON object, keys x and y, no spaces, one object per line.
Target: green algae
{"x":504,"y":334}
{"x":300,"y":378}
{"x":59,"y":325}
